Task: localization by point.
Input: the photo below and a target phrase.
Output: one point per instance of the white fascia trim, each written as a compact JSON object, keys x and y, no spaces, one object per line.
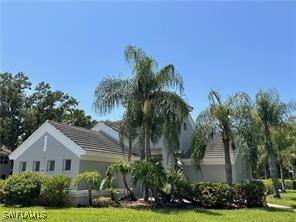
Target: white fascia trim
{"x":47,"y":128}
{"x":208,"y":161}
{"x":97,"y":156}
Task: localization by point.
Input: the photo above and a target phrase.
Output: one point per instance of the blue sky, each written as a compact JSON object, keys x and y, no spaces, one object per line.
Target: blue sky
{"x":229,"y":46}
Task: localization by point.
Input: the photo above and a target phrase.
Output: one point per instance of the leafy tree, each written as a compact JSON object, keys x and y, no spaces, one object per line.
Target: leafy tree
{"x":156,"y":109}
{"x":77,"y":117}
{"x":123,"y":168}
{"x":92,"y":178}
{"x":224,"y":118}
{"x":152,"y":174}
{"x":12,"y":98}
{"x":270,"y":112}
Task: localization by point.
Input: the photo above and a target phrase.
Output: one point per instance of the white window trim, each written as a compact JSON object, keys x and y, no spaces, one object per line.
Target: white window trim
{"x":21,"y":166}
{"x":34,"y":166}
{"x":48,"y":166}
{"x":64,"y":165}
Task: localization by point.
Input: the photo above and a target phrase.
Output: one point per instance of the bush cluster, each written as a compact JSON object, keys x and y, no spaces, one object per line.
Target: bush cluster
{"x":221,"y":195}
{"x":28,"y":188}
{"x":290,"y":184}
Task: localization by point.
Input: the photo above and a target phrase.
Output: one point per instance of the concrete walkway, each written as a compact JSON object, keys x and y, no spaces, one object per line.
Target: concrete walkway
{"x":281,"y":207}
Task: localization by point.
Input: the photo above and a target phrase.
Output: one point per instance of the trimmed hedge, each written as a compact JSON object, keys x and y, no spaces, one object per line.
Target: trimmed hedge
{"x":29,"y":188}
{"x":221,"y":195}
{"x":55,"y":191}
{"x":22,"y":189}
{"x":2,"y":185}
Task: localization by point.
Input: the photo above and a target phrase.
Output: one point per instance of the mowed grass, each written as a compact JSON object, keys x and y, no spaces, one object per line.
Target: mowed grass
{"x":287,"y":199}
{"x":124,"y":215}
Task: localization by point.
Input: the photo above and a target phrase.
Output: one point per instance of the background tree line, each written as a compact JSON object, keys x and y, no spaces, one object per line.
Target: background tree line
{"x":23,"y":108}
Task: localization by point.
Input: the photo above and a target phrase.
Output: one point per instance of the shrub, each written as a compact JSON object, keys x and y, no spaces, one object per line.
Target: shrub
{"x":22,"y":189}
{"x":268,"y":186}
{"x":221,"y":195}
{"x":2,"y":185}
{"x":55,"y":191}
{"x":104,"y":202}
{"x":290,"y":184}
{"x":250,"y":195}
{"x":214,"y":195}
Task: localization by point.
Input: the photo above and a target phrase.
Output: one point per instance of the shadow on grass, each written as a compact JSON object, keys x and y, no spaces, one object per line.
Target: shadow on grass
{"x":178,"y":211}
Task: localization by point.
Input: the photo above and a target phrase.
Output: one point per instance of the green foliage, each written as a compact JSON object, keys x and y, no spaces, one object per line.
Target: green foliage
{"x":2,"y":185}
{"x":23,"y":189}
{"x":221,"y":195}
{"x":178,"y":186}
{"x":23,"y":110}
{"x":151,"y":104}
{"x":55,"y":191}
{"x":105,"y":202}
{"x":290,"y":184}
{"x":250,"y":195}
{"x":214,"y":195}
{"x":152,"y":174}
{"x":92,"y":178}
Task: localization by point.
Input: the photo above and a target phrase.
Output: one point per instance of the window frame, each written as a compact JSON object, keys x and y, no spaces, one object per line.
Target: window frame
{"x":64,"y":164}
{"x":48,"y":168}
{"x":21,"y":166}
{"x":34,"y":166}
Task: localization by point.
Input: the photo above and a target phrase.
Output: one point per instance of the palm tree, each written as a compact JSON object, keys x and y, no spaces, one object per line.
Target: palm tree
{"x":224,"y":118}
{"x":92,"y":178}
{"x":150,"y":95}
{"x":272,"y":113}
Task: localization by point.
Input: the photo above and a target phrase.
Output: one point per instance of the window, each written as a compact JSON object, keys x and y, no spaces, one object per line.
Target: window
{"x":50,"y":165}
{"x":4,"y":159}
{"x":36,"y":165}
{"x":67,"y":165}
{"x":23,"y":166}
{"x":185,"y":126}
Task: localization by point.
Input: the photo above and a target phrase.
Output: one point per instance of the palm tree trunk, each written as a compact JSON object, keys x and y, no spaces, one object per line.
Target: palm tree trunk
{"x":89,"y":196}
{"x":282,"y":176}
{"x":129,"y":157}
{"x":274,"y":175}
{"x":129,"y":191}
{"x":147,"y":141}
{"x":272,"y":162}
{"x":228,"y":167}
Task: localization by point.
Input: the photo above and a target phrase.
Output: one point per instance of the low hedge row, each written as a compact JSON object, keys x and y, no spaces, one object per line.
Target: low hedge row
{"x":221,"y":195}
{"x":290,"y":184}
{"x":28,"y":189}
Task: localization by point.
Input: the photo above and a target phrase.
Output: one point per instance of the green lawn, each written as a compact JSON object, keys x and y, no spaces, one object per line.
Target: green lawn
{"x":287,"y":199}
{"x":123,"y":215}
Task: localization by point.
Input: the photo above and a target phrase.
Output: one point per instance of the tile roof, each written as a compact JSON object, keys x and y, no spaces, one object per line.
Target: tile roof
{"x":214,"y":149}
{"x":90,"y":140}
{"x":114,"y":124}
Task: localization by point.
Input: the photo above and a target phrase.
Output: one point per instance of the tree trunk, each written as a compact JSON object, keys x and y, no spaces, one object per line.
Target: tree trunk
{"x":228,"y":167}
{"x":282,"y":177}
{"x":129,"y":157}
{"x":129,"y":191}
{"x":147,"y":142}
{"x":294,"y":171}
{"x":272,"y":162}
{"x":89,"y":196}
{"x":274,"y":175}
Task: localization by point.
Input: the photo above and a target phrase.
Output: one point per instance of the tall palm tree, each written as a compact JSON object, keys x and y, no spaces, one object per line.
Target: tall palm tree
{"x":272,"y":113}
{"x":152,"y":95}
{"x":224,"y":118}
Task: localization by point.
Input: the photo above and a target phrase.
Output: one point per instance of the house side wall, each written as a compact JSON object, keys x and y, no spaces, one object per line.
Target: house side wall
{"x":43,"y":151}
{"x":186,"y":135}
{"x":208,"y":173}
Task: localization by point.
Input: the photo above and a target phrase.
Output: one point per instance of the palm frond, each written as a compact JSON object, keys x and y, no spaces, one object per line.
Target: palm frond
{"x":214,"y":97}
{"x":167,"y":77}
{"x":110,"y":93}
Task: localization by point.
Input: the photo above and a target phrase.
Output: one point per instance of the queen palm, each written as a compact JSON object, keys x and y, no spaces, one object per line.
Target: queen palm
{"x":224,"y":118}
{"x":152,"y":96}
{"x":272,"y":113}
